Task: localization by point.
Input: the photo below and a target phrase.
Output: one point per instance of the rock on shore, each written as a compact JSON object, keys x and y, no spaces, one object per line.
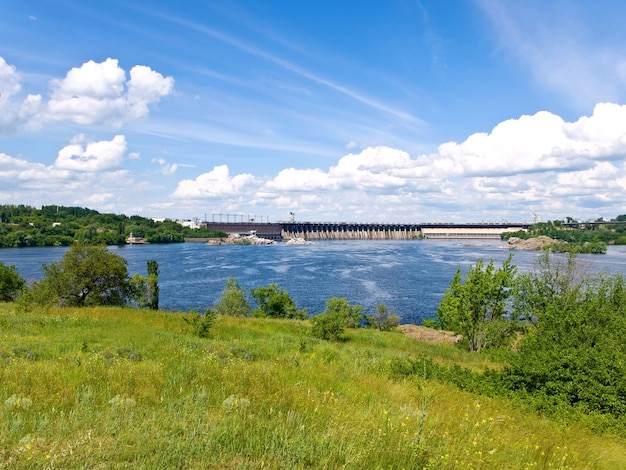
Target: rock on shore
{"x":532,"y":244}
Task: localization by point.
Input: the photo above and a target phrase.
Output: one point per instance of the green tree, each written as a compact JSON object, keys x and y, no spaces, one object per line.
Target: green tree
{"x":234,"y":300}
{"x":11,"y":283}
{"x":576,"y":353}
{"x":337,"y":316}
{"x":153,"y":284}
{"x":382,"y":319}
{"x":328,"y":327}
{"x":554,"y":285}
{"x":86,"y":275}
{"x":272,"y":301}
{"x":475,"y":305}
{"x":340,"y":306}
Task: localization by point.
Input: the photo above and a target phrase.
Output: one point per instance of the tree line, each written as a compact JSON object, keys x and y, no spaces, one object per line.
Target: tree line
{"x":24,"y":226}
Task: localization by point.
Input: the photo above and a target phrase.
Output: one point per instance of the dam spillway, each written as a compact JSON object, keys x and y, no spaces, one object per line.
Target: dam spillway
{"x":350,"y":231}
{"x":368,"y":231}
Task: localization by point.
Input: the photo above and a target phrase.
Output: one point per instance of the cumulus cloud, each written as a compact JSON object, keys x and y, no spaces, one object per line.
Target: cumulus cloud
{"x":84,"y":155}
{"x":99,"y":93}
{"x":534,"y":163}
{"x":95,"y":93}
{"x":215,"y":183}
{"x":17,"y":173}
{"x":13,"y":111}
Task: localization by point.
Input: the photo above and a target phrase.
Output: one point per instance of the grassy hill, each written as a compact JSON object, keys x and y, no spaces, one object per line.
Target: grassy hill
{"x":123,"y":388}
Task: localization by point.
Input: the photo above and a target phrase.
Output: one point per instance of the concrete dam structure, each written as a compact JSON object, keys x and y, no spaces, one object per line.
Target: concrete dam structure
{"x":367,"y":231}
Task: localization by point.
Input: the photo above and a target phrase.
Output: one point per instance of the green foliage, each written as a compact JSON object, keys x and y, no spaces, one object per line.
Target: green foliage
{"x":138,"y":290}
{"x":153,"y":285}
{"x":233,"y":301}
{"x":22,"y":226}
{"x":86,"y":275}
{"x":201,"y":324}
{"x":274,"y":302}
{"x":575,"y":237}
{"x":328,"y":327}
{"x":382,"y":319}
{"x":350,"y":314}
{"x":11,"y":283}
{"x":475,"y":305}
{"x":576,"y":353}
{"x":554,"y":285}
{"x":337,"y":316}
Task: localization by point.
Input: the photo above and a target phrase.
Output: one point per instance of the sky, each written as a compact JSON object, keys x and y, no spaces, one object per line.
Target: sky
{"x":405,"y":111}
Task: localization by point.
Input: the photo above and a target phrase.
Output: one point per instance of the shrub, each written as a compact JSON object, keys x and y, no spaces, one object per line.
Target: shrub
{"x":382,"y":319}
{"x":200,"y":324}
{"x":328,"y":326}
{"x":234,"y":301}
{"x":473,"y":303}
{"x":337,"y":316}
{"x":11,"y":284}
{"x":275,"y":302}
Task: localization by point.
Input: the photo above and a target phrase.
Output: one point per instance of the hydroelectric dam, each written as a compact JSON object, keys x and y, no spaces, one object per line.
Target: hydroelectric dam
{"x":367,"y":231}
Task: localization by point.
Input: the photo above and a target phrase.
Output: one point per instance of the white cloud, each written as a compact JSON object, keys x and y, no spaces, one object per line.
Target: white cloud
{"x":541,"y":142}
{"x":13,"y":112}
{"x":167,"y":169}
{"x":92,"y":94}
{"x":84,"y":155}
{"x":533,"y":164}
{"x":215,"y":183}
{"x":98,"y":93}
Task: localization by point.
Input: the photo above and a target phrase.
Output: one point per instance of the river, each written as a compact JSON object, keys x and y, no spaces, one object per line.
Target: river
{"x":408,"y":276}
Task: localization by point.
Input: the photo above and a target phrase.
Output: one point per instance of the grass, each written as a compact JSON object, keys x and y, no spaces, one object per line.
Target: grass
{"x":121,"y":388}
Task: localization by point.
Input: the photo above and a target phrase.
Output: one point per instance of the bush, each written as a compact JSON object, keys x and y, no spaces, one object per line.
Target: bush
{"x":234,"y":301}
{"x":201,"y":324}
{"x":472,"y":304}
{"x":11,"y":283}
{"x":576,"y":353}
{"x":328,"y":326}
{"x":275,"y":302}
{"x":382,"y":319}
{"x":337,"y":316}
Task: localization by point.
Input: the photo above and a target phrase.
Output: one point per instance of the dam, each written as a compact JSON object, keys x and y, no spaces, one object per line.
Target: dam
{"x":367,"y":231}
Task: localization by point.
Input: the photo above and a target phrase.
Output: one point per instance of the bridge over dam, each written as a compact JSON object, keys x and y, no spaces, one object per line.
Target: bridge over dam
{"x":367,"y":231}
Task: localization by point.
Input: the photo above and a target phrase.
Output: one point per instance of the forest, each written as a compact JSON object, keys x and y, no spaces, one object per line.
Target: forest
{"x":23,"y":226}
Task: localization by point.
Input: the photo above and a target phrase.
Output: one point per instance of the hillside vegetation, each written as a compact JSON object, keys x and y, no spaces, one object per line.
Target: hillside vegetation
{"x":125,"y":388}
{"x":571,"y":236}
{"x":22,"y":226}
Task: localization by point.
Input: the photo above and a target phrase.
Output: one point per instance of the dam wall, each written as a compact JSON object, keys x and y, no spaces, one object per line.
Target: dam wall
{"x":366,"y":231}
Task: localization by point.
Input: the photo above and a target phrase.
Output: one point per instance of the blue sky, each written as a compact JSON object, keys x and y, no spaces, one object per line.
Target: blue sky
{"x":388,"y":111}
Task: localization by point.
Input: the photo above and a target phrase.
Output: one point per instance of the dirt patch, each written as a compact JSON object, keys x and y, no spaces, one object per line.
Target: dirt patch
{"x":429,"y":335}
{"x":532,"y":244}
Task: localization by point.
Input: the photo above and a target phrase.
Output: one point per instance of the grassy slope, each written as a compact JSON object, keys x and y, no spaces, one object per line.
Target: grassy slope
{"x":123,"y":388}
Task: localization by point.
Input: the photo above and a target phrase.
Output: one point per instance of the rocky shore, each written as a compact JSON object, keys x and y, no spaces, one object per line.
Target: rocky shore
{"x":532,"y":244}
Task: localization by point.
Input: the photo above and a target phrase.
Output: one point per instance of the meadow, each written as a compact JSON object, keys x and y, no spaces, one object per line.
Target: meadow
{"x":124,"y":388}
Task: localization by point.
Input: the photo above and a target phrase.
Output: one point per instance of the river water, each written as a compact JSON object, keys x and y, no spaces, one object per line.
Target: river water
{"x":408,"y":276}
